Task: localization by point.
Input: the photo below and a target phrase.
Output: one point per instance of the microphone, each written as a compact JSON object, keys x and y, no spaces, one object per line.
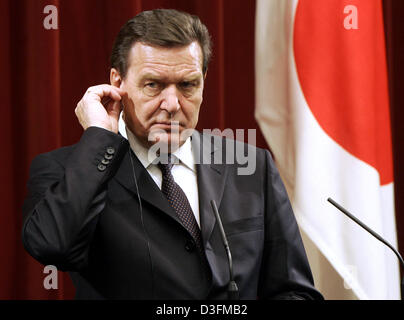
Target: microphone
{"x":378,"y":237}
{"x":232,"y":289}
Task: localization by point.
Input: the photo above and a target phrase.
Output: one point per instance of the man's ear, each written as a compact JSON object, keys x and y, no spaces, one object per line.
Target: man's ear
{"x":115,"y":78}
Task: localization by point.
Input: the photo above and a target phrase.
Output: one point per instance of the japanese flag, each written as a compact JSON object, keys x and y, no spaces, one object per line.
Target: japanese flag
{"x":322,"y":104}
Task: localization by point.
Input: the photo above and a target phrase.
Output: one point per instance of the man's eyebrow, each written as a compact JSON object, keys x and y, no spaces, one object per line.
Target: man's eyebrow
{"x":192,"y":77}
{"x":150,"y":76}
{"x":156,"y":77}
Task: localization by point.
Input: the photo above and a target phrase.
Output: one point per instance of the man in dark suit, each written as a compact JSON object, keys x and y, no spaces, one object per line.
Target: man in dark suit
{"x":132,"y":221}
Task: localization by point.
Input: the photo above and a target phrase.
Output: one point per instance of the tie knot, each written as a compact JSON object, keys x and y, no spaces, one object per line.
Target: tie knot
{"x":165,"y":168}
{"x":165,"y":165}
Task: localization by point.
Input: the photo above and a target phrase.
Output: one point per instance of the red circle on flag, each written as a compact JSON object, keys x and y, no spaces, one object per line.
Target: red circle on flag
{"x":343,"y":76}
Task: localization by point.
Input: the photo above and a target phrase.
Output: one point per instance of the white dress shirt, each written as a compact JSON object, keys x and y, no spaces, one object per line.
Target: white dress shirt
{"x":184,"y":172}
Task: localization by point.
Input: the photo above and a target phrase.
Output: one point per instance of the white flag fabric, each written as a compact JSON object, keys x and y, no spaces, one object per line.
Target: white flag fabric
{"x":322,"y":105}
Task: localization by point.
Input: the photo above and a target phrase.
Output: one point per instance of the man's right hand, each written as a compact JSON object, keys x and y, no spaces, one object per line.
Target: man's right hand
{"x":100,"y":107}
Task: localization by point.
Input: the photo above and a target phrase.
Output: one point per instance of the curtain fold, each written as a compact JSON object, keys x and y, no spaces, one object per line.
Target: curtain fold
{"x":394,"y":27}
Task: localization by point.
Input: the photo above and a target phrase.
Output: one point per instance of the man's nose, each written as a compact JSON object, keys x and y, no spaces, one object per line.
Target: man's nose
{"x":170,"y":101}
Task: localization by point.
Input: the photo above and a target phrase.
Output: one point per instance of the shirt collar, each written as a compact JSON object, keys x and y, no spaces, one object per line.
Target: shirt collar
{"x":183,"y":153}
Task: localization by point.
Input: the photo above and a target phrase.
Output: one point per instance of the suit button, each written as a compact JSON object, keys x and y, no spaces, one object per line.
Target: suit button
{"x":110,"y":150}
{"x":105,"y":161}
{"x":101,"y":167}
{"x":190,"y":245}
{"x":108,"y":156}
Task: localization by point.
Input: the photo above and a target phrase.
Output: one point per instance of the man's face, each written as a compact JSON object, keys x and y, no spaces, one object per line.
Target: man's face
{"x":164,"y":87}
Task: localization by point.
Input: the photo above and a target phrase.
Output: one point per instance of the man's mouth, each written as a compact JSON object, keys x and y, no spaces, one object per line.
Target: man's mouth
{"x":167,"y":124}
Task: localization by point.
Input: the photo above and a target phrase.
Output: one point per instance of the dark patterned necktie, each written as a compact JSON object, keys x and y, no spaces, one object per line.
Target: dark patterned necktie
{"x":179,"y":202}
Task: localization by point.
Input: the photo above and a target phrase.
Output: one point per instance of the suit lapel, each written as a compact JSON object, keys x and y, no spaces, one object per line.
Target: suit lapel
{"x":211,"y":180}
{"x":148,"y":190}
{"x":210,"y":176}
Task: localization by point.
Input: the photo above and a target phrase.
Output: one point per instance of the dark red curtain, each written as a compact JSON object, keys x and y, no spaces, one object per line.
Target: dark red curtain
{"x":394,"y":29}
{"x":46,"y":72}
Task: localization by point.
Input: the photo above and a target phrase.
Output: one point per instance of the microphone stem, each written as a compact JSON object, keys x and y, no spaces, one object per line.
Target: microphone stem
{"x":230,"y":262}
{"x":232,"y":289}
{"x":364,"y":226}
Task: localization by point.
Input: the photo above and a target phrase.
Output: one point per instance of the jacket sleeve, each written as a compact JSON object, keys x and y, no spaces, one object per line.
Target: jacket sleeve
{"x":285,"y":272}
{"x":66,"y":196}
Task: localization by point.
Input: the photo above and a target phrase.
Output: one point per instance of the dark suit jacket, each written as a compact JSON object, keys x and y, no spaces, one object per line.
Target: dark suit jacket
{"x":86,"y":219}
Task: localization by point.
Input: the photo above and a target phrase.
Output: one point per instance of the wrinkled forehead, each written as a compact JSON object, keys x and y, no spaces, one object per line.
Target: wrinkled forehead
{"x":147,"y":58}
